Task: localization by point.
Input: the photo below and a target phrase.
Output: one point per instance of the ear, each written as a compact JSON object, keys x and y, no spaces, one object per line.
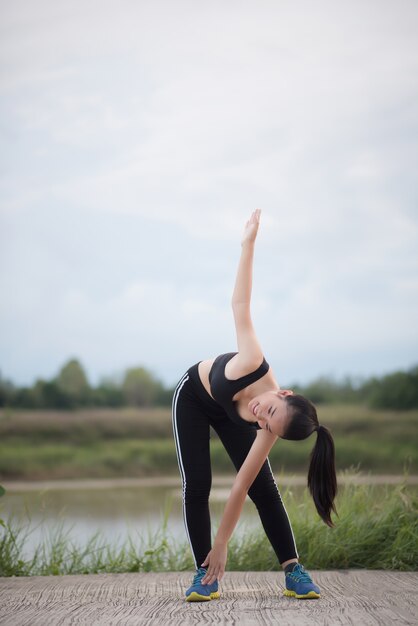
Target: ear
{"x":286,"y":392}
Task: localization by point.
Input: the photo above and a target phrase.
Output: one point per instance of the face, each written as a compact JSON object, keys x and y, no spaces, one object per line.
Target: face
{"x":270,"y":409}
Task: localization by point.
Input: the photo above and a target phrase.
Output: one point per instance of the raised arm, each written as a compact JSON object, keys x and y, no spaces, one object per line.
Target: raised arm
{"x":250,"y":354}
{"x":248,"y":358}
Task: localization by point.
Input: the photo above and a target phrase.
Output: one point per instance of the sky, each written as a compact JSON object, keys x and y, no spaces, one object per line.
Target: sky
{"x":138,"y":137}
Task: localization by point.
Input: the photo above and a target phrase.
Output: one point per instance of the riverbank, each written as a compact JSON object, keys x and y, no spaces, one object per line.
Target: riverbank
{"x":174,"y":481}
{"x":376,"y":528}
{"x":108,"y":444}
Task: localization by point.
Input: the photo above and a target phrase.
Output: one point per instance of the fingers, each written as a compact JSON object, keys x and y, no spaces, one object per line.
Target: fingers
{"x":207,"y":579}
{"x":255,"y":216}
{"x":212,"y":575}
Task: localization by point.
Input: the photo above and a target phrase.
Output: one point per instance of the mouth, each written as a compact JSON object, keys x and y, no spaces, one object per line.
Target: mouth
{"x":254,"y":408}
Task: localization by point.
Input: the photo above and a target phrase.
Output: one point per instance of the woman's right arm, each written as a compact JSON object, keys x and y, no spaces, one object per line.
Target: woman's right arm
{"x":248,"y":472}
{"x":245,"y":477}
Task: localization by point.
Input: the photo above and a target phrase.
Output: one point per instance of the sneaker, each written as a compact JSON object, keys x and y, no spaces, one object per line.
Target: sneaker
{"x":299,"y":584}
{"x":201,"y":593}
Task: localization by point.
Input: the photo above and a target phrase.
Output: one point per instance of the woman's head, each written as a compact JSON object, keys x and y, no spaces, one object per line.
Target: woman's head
{"x":271,"y":410}
{"x":285,"y":414}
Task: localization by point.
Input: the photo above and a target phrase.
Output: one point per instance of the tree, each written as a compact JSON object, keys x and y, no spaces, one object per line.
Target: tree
{"x":108,"y":393}
{"x":48,"y":395}
{"x":394,"y":391}
{"x":6,"y":391}
{"x":139,"y":387}
{"x":73,"y":381}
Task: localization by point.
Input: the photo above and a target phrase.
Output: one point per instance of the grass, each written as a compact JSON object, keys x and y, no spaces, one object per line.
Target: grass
{"x":139,"y":442}
{"x":90,"y":425}
{"x":22,"y":460}
{"x":374,"y":530}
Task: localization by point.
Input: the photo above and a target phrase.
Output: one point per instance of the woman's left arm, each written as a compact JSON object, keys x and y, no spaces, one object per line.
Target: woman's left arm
{"x":216,"y":559}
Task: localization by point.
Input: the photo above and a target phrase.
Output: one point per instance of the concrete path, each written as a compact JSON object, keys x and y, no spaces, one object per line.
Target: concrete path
{"x":357,"y":597}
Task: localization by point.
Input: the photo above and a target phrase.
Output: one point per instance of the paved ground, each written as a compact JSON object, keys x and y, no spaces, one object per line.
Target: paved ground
{"x":357,"y":597}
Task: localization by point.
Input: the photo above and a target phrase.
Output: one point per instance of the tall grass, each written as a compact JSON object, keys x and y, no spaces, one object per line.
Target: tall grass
{"x":90,"y":425}
{"x":374,"y":531}
{"x":157,"y":457}
{"x":139,"y":442}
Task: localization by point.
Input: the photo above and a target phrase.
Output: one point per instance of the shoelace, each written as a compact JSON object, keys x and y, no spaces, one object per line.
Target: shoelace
{"x":300,"y":574}
{"x":199,"y":575}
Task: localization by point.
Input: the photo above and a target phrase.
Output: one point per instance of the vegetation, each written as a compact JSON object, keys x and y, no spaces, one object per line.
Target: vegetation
{"x":398,"y":390}
{"x":105,"y":443}
{"x":70,"y":390}
{"x":138,"y":387}
{"x":374,"y":530}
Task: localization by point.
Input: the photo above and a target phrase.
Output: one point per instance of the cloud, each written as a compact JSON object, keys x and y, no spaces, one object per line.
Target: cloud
{"x":135,"y":147}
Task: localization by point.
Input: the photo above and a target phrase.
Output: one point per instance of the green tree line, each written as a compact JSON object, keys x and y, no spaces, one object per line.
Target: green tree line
{"x":70,"y":389}
{"x":139,"y":387}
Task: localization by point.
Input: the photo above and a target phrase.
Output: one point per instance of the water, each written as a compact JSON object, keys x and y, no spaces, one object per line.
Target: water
{"x":124,"y":508}
{"x":116,"y":512}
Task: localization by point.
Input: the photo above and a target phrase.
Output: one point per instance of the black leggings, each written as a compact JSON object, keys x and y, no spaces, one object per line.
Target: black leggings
{"x":193,"y":411}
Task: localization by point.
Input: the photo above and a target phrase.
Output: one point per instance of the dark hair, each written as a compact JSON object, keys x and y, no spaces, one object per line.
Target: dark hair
{"x":322,"y":479}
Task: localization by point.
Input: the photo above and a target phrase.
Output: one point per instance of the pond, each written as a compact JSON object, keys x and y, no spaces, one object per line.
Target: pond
{"x":116,"y":508}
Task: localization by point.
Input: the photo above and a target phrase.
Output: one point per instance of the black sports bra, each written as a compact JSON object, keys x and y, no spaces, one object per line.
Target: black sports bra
{"x":223,"y":389}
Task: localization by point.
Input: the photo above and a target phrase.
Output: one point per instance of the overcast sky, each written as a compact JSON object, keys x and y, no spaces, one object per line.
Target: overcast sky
{"x":138,"y":136}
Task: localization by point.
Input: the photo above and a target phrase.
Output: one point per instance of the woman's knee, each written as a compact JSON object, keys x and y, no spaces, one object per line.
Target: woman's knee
{"x":264,"y":490}
{"x":197,"y":490}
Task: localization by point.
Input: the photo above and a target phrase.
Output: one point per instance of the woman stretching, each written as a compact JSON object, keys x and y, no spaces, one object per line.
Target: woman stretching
{"x":237,"y":394}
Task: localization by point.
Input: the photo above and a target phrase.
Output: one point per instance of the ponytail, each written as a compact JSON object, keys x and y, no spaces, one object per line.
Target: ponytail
{"x":322,"y":480}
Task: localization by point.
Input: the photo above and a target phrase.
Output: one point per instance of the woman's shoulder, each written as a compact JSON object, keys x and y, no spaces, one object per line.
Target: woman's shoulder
{"x":238,"y":367}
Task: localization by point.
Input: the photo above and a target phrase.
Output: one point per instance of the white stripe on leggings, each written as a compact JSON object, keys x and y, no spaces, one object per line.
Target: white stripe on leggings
{"x":291,"y":529}
{"x":177,"y":390}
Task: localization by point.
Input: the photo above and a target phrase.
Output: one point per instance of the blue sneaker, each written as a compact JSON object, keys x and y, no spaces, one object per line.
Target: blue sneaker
{"x":299,"y":584}
{"x":201,"y":593}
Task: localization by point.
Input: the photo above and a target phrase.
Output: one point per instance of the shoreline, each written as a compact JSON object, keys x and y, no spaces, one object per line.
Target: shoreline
{"x":171,"y":481}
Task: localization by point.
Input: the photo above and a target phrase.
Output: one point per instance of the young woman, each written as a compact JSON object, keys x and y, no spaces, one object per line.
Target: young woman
{"x":237,"y":394}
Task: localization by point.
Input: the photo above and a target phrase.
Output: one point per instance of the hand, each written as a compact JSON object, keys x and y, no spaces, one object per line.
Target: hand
{"x":251,"y":227}
{"x":215,"y":563}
